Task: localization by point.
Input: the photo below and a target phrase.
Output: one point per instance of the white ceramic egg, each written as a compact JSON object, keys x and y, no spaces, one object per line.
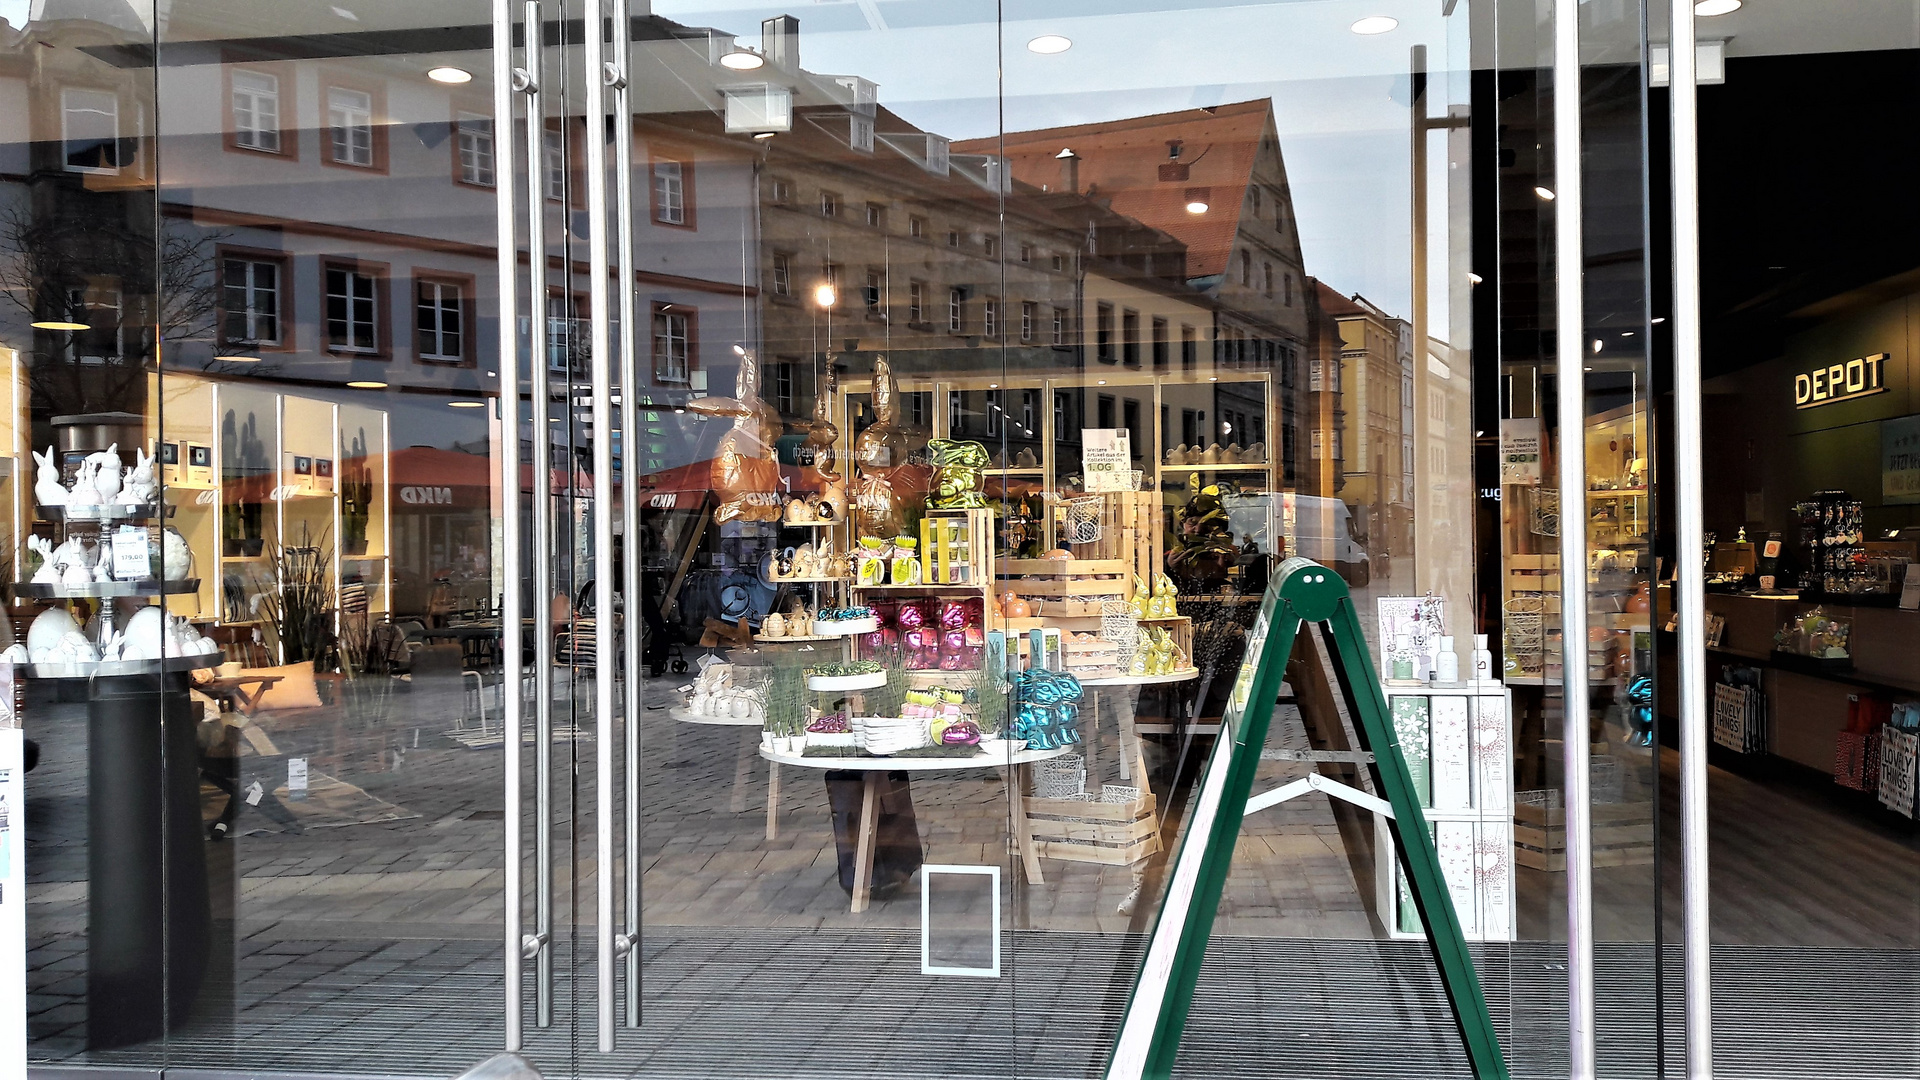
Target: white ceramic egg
{"x":49,"y":628}
{"x":144,"y":634}
{"x":176,"y":558}
{"x":15,"y":653}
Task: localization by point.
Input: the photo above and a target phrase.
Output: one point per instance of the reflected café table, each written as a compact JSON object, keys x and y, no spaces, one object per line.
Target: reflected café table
{"x":873,"y":767}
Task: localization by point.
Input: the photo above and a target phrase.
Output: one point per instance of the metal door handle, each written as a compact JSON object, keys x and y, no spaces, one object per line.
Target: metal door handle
{"x":599,"y":343}
{"x":531,"y":80}
{"x":630,"y":382}
{"x":511,"y":600}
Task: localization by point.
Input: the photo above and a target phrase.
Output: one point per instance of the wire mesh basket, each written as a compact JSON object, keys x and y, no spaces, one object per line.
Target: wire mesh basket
{"x":1083,"y":519}
{"x":1064,"y":777}
{"x":1117,"y":624}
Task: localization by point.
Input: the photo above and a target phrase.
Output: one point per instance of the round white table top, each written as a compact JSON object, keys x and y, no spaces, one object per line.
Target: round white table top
{"x":688,"y":716}
{"x":985,"y":760}
{"x":1144,"y":680}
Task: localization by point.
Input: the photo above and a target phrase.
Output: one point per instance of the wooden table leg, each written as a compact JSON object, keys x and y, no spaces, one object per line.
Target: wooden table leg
{"x":743,"y":768}
{"x":1022,"y":829}
{"x":773,"y":800}
{"x":863,"y":849}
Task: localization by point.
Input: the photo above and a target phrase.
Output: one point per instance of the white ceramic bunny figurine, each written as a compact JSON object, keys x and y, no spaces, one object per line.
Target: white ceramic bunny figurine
{"x":48,"y":574}
{"x":107,"y":471}
{"x":84,"y":493}
{"x":46,"y":487}
{"x":139,"y":486}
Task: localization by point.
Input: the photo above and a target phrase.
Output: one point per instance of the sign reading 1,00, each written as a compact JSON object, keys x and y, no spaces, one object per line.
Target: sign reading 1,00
{"x":1841,"y":382}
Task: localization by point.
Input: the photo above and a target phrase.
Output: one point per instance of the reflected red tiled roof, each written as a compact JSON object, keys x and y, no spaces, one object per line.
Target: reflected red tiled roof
{"x":1333,"y":303}
{"x":1120,"y":162}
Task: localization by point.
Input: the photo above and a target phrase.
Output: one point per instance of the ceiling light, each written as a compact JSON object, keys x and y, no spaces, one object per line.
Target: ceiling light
{"x":1658,"y":319}
{"x":742,"y":60}
{"x":824,"y":294}
{"x":58,"y":324}
{"x":237,"y":359}
{"x":1626,"y":333}
{"x":1375,"y":24}
{"x":1049,"y":44}
{"x":1546,"y":194}
{"x":465,"y":404}
{"x":1196,"y":206}
{"x":1473,"y":278}
{"x":1596,"y":345}
{"x":764,"y":135}
{"x":1707,"y":9}
{"x":367,"y":384}
{"x":452,"y":76}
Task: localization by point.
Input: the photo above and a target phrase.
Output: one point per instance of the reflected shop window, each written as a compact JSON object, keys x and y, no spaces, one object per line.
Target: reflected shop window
{"x":694,"y":539}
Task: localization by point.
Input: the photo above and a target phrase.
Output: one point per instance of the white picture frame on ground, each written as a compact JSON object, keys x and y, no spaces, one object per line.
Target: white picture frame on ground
{"x":928,"y":872}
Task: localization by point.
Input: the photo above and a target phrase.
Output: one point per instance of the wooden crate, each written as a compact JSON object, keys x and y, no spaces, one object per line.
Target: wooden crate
{"x":1130,"y":532}
{"x":941,"y":534}
{"x":1180,"y":629}
{"x":1113,"y":834}
{"x":1622,"y":835}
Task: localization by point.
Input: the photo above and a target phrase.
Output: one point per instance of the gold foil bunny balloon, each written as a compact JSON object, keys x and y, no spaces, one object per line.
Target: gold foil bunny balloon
{"x":818,"y":450}
{"x":878,"y":453}
{"x":746,"y":473}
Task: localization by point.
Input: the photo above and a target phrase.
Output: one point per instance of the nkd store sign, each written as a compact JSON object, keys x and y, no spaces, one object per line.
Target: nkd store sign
{"x":1841,"y":382}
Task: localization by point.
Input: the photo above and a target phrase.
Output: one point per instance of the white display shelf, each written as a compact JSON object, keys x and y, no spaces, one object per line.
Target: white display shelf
{"x":1183,"y":675}
{"x":102,"y":513}
{"x":797,"y":640}
{"x":123,"y":667}
{"x":688,"y":716}
{"x":1224,"y":466}
{"x":837,"y":628}
{"x":866,"y":681}
{"x":104,"y":589}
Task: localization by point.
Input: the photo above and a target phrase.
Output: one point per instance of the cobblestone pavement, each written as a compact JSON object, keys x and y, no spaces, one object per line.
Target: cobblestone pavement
{"x":382,"y":896}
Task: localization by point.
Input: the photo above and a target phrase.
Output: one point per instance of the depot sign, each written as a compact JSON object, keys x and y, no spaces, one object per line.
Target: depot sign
{"x":1841,"y":382}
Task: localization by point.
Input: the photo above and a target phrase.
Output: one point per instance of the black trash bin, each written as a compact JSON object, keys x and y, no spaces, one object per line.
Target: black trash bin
{"x":896,"y":836}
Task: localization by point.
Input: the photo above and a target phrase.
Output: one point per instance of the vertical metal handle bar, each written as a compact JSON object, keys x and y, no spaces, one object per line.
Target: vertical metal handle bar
{"x":1690,"y":541}
{"x":599,"y":343}
{"x":542,"y":496}
{"x":1570,"y":361}
{"x":510,"y":549}
{"x":630,"y":383}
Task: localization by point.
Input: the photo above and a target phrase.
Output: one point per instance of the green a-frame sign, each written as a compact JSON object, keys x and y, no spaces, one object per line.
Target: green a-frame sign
{"x":1300,"y":592}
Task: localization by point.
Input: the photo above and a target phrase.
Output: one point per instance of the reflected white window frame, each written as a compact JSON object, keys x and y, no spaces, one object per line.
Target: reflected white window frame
{"x":1027,"y":311}
{"x":673,"y":331}
{"x":350,"y":127}
{"x":916,"y":301}
{"x":1059,"y":326}
{"x":473,"y":143}
{"x":990,"y":318}
{"x":445,"y":301}
{"x":956,"y":310}
{"x":83,"y":107}
{"x":259,"y":306}
{"x":553,"y":154}
{"x":670,"y":192}
{"x":782,"y":273}
{"x":255,"y":110}
{"x":359,"y":308}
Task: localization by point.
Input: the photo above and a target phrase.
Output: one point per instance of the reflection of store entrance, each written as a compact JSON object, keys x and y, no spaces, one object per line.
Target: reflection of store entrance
{"x":442,"y":524}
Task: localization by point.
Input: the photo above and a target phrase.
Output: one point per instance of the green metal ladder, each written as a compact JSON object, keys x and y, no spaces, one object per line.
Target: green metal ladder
{"x":1302,"y":591}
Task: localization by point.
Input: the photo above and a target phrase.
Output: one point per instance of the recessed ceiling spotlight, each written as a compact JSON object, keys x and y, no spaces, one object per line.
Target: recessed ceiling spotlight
{"x":764,"y":134}
{"x":452,"y":76}
{"x":1707,"y":9}
{"x":1049,"y":44}
{"x":1196,"y":206}
{"x":59,"y":324}
{"x":1658,"y":319}
{"x":237,"y":359}
{"x":465,"y":404}
{"x":1546,"y":194}
{"x":367,"y":384}
{"x":742,"y":60}
{"x":1375,"y":24}
{"x":1473,"y":278}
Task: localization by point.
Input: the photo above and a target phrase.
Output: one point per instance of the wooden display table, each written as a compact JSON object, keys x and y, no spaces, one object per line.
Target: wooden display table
{"x":873,"y":767}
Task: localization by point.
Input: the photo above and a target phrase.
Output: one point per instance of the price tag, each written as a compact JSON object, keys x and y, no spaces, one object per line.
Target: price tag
{"x":297,"y":777}
{"x":132,"y":554}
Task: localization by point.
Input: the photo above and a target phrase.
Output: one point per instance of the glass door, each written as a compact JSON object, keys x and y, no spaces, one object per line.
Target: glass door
{"x":275,"y":292}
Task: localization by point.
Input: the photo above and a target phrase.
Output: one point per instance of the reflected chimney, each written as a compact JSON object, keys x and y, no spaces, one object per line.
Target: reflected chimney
{"x":780,"y":42}
{"x":1069,"y":169}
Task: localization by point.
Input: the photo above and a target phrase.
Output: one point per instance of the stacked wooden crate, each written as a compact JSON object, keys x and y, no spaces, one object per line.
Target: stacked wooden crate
{"x":1118,"y":833}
